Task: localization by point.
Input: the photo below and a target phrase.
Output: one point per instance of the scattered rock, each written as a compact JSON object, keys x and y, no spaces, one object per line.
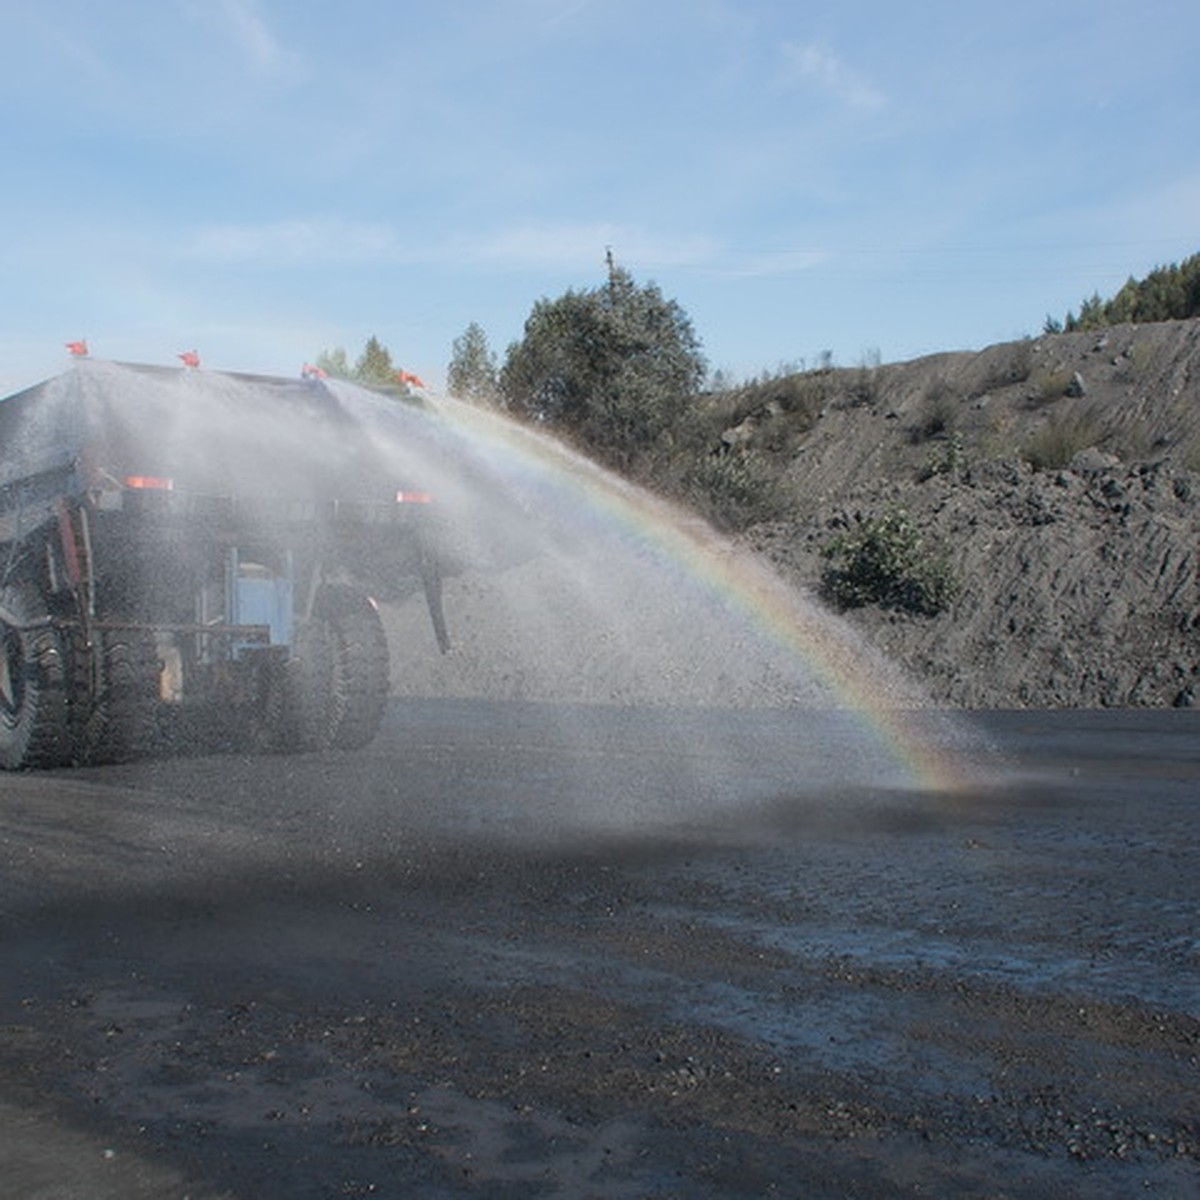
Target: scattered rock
{"x":738,"y":435}
{"x":1093,"y":461}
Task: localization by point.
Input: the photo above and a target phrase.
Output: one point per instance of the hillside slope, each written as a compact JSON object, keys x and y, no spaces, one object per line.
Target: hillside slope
{"x":1080,"y":579}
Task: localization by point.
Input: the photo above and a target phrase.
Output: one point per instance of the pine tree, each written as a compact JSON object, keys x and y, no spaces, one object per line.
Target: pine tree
{"x":472,"y":373}
{"x":374,"y":366}
{"x":1170,"y":293}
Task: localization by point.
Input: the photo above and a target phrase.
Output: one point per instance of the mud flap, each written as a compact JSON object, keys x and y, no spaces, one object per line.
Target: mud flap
{"x":431,"y":581}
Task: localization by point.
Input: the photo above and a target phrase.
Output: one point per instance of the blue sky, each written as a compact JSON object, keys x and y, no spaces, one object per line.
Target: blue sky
{"x":264,"y":179}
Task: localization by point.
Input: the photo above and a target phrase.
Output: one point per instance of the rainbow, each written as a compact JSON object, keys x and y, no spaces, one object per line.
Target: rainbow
{"x":928,"y":747}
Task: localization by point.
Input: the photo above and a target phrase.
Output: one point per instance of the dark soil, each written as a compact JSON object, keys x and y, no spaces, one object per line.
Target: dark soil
{"x":333,"y":976}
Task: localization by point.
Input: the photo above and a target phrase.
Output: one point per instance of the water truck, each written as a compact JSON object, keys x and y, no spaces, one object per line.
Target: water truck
{"x":195,"y":558}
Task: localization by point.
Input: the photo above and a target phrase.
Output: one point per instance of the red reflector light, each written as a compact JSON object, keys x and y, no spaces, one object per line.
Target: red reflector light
{"x":413,"y":498}
{"x":150,"y":483}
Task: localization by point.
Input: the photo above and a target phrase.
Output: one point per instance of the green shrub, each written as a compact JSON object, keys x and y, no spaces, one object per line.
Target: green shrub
{"x":735,"y":489}
{"x":802,"y":397}
{"x":948,"y":457}
{"x":939,"y":409}
{"x":798,"y":396}
{"x":1001,"y":366}
{"x":864,"y":381}
{"x":884,"y":561}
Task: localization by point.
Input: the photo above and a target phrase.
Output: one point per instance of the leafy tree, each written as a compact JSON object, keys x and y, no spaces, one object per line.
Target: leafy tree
{"x":616,"y":366}
{"x":334,"y":362}
{"x":472,"y":373}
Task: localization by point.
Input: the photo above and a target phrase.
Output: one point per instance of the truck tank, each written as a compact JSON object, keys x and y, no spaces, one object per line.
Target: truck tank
{"x":195,"y":557}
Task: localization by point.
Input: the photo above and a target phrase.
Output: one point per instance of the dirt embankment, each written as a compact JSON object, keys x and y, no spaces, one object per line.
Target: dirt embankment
{"x":1061,"y":478}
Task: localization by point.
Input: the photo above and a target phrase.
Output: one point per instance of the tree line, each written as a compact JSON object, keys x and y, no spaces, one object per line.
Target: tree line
{"x":1170,"y":293}
{"x":613,"y":368}
{"x":373,"y":368}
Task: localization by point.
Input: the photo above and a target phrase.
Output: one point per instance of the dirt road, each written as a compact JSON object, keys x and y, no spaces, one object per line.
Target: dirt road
{"x":612,"y":954}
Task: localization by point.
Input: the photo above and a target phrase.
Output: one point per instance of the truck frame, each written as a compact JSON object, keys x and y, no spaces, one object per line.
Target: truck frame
{"x":193,"y":560}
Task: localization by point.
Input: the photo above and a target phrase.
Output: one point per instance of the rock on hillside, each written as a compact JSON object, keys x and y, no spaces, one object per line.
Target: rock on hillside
{"x":1061,"y":478}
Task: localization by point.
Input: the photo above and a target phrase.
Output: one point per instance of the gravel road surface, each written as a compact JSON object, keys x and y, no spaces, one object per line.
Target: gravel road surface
{"x":516,"y":949}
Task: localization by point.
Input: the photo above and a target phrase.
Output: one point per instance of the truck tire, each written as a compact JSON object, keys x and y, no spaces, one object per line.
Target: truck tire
{"x":34,"y":726}
{"x":117,"y":720}
{"x":304,"y":713}
{"x":336,"y":682}
{"x":361,"y":670}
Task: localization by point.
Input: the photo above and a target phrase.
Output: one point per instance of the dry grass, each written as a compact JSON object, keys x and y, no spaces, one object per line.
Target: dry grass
{"x":1056,"y":442}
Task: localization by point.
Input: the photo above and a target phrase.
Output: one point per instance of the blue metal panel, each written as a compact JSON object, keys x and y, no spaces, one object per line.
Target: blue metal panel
{"x":258,"y":596}
{"x":266,"y":602}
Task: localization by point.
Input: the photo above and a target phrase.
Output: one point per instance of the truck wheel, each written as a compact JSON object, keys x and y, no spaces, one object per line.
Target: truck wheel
{"x":305,"y":713}
{"x":361,"y":670}
{"x":34,"y":730}
{"x":337,"y":679}
{"x":118,"y":720}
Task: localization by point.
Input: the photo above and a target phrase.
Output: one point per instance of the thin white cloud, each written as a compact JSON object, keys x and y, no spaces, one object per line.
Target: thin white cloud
{"x":583,"y":246}
{"x":298,"y":242}
{"x":758,"y":265}
{"x":38,"y":39}
{"x":560,"y":12}
{"x":1167,"y":211}
{"x":242,"y":24}
{"x":818,"y":65}
{"x":82,"y":58}
{"x":575,"y":245}
{"x":549,"y":247}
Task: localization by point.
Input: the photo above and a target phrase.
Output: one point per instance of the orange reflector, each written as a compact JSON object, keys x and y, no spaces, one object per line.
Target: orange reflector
{"x":414,"y":498}
{"x":151,"y":483}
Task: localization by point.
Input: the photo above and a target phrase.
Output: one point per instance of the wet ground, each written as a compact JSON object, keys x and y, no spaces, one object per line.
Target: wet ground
{"x":511,"y":950}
